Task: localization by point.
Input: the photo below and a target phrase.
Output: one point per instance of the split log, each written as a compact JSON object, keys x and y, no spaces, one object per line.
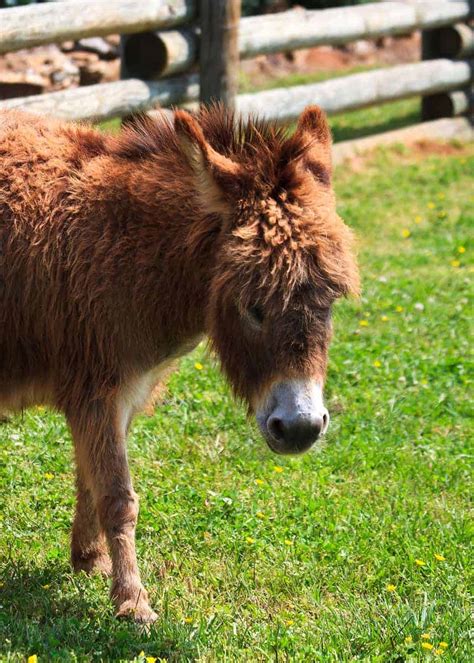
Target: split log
{"x":118,"y":99}
{"x":455,"y":41}
{"x":152,"y":55}
{"x":24,"y":27}
{"x":449,"y":104}
{"x":359,"y":90}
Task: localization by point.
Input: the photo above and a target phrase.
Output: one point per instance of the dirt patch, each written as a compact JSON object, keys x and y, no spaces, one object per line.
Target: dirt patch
{"x":423,"y":148}
{"x":410,"y":153}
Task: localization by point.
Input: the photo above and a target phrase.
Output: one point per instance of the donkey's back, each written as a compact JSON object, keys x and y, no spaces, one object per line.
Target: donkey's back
{"x":39,"y":312}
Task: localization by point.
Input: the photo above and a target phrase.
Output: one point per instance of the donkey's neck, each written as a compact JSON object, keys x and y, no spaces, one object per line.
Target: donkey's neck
{"x":161,"y":224}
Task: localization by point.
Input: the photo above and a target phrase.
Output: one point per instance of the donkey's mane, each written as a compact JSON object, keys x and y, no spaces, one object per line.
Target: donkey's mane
{"x":265,"y":146}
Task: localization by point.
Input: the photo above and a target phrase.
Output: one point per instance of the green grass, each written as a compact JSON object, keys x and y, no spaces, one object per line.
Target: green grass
{"x":392,"y":484}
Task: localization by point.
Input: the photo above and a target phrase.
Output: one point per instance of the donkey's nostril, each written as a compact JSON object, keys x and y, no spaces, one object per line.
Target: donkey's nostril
{"x":276,"y":428}
{"x":325,"y":422}
{"x":296,"y":433}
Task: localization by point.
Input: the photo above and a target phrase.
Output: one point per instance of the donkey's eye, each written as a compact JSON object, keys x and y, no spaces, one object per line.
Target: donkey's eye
{"x":256,"y":315}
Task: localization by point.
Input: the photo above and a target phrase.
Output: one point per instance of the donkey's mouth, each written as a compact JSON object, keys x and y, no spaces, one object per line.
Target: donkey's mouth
{"x":293,"y":416}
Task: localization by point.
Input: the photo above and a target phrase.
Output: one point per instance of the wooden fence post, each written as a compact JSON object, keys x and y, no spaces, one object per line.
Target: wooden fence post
{"x":219,"y":50}
{"x":428,"y":52}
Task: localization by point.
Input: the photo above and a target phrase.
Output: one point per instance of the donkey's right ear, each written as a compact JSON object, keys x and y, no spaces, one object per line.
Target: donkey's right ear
{"x":218,"y":178}
{"x":313,"y":128}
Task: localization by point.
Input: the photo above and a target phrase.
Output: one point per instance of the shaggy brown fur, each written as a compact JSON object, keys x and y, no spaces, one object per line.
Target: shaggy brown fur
{"x":118,"y":253}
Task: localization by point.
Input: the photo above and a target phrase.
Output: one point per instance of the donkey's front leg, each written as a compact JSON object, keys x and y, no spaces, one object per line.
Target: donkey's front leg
{"x":102,"y":460}
{"x":88,"y":544}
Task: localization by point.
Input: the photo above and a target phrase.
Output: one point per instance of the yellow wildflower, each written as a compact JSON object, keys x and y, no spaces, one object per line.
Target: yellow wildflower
{"x":48,"y":475}
{"x":288,"y":542}
{"x":141,"y":654}
{"x":444,"y":645}
{"x":461,"y":249}
{"x":260,"y":514}
{"x":420,"y":562}
{"x":406,"y":233}
{"x":431,"y":205}
{"x":427,"y":645}
{"x":438,"y":652}
{"x":391,"y":588}
{"x":188,"y":620}
{"x":364,"y":323}
{"x":455,"y":263}
{"x":32,"y":659}
{"x":440,"y":558}
{"x":425,"y":636}
{"x":377,"y":363}
{"x":259,"y":482}
{"x":408,"y":639}
{"x":278,"y":468}
{"x":198,"y":366}
{"x":289,"y":622}
{"x":399,"y":309}
{"x":384,"y":318}
{"x":45,"y":586}
{"x":418,"y":219}
{"x":150,"y":659}
{"x":250,"y":540}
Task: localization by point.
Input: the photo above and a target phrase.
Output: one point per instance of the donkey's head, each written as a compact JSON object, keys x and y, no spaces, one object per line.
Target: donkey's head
{"x":283,"y":257}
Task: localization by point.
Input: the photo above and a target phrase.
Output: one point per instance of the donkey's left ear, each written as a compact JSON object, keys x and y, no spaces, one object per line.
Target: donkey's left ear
{"x":218,"y":178}
{"x":313,"y":129}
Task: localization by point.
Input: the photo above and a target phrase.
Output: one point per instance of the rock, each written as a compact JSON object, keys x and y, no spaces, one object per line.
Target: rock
{"x":56,"y":69}
{"x":362,"y":48}
{"x":101,"y":47}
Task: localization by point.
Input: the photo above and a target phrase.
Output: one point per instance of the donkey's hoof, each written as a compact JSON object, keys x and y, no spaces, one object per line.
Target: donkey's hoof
{"x":139,"y":611}
{"x":93,"y":564}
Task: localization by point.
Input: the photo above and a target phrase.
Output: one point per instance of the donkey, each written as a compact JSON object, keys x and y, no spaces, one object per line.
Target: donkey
{"x":119,"y":253}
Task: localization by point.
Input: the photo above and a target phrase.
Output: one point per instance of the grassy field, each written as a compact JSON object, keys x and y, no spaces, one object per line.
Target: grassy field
{"x":355,"y":552}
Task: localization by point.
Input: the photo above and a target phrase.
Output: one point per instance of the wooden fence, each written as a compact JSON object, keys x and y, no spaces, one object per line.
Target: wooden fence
{"x":179,"y":51}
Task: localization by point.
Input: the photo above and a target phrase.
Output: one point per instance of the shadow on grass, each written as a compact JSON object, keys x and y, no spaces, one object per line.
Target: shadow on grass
{"x":50,"y":612}
{"x":368,"y":127}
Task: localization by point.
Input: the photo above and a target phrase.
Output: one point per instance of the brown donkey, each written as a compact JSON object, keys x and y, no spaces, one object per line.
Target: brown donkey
{"x":117,"y":254}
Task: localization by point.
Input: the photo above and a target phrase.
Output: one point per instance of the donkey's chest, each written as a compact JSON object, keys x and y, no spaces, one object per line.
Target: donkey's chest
{"x":136,"y":393}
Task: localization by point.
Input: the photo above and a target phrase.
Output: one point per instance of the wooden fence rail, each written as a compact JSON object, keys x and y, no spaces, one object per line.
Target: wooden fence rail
{"x":257,"y":35}
{"x":336,"y":95}
{"x":295,"y":29}
{"x":33,"y":25}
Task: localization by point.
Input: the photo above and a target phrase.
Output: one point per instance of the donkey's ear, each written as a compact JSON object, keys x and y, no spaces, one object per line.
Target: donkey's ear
{"x":313,"y":129}
{"x":218,"y":178}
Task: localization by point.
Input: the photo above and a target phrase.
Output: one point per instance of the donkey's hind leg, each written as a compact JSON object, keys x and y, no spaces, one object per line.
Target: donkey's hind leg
{"x":88,"y":543}
{"x":99,"y":438}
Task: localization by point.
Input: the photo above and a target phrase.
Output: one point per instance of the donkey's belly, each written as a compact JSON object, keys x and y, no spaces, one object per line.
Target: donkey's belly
{"x":15,"y":397}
